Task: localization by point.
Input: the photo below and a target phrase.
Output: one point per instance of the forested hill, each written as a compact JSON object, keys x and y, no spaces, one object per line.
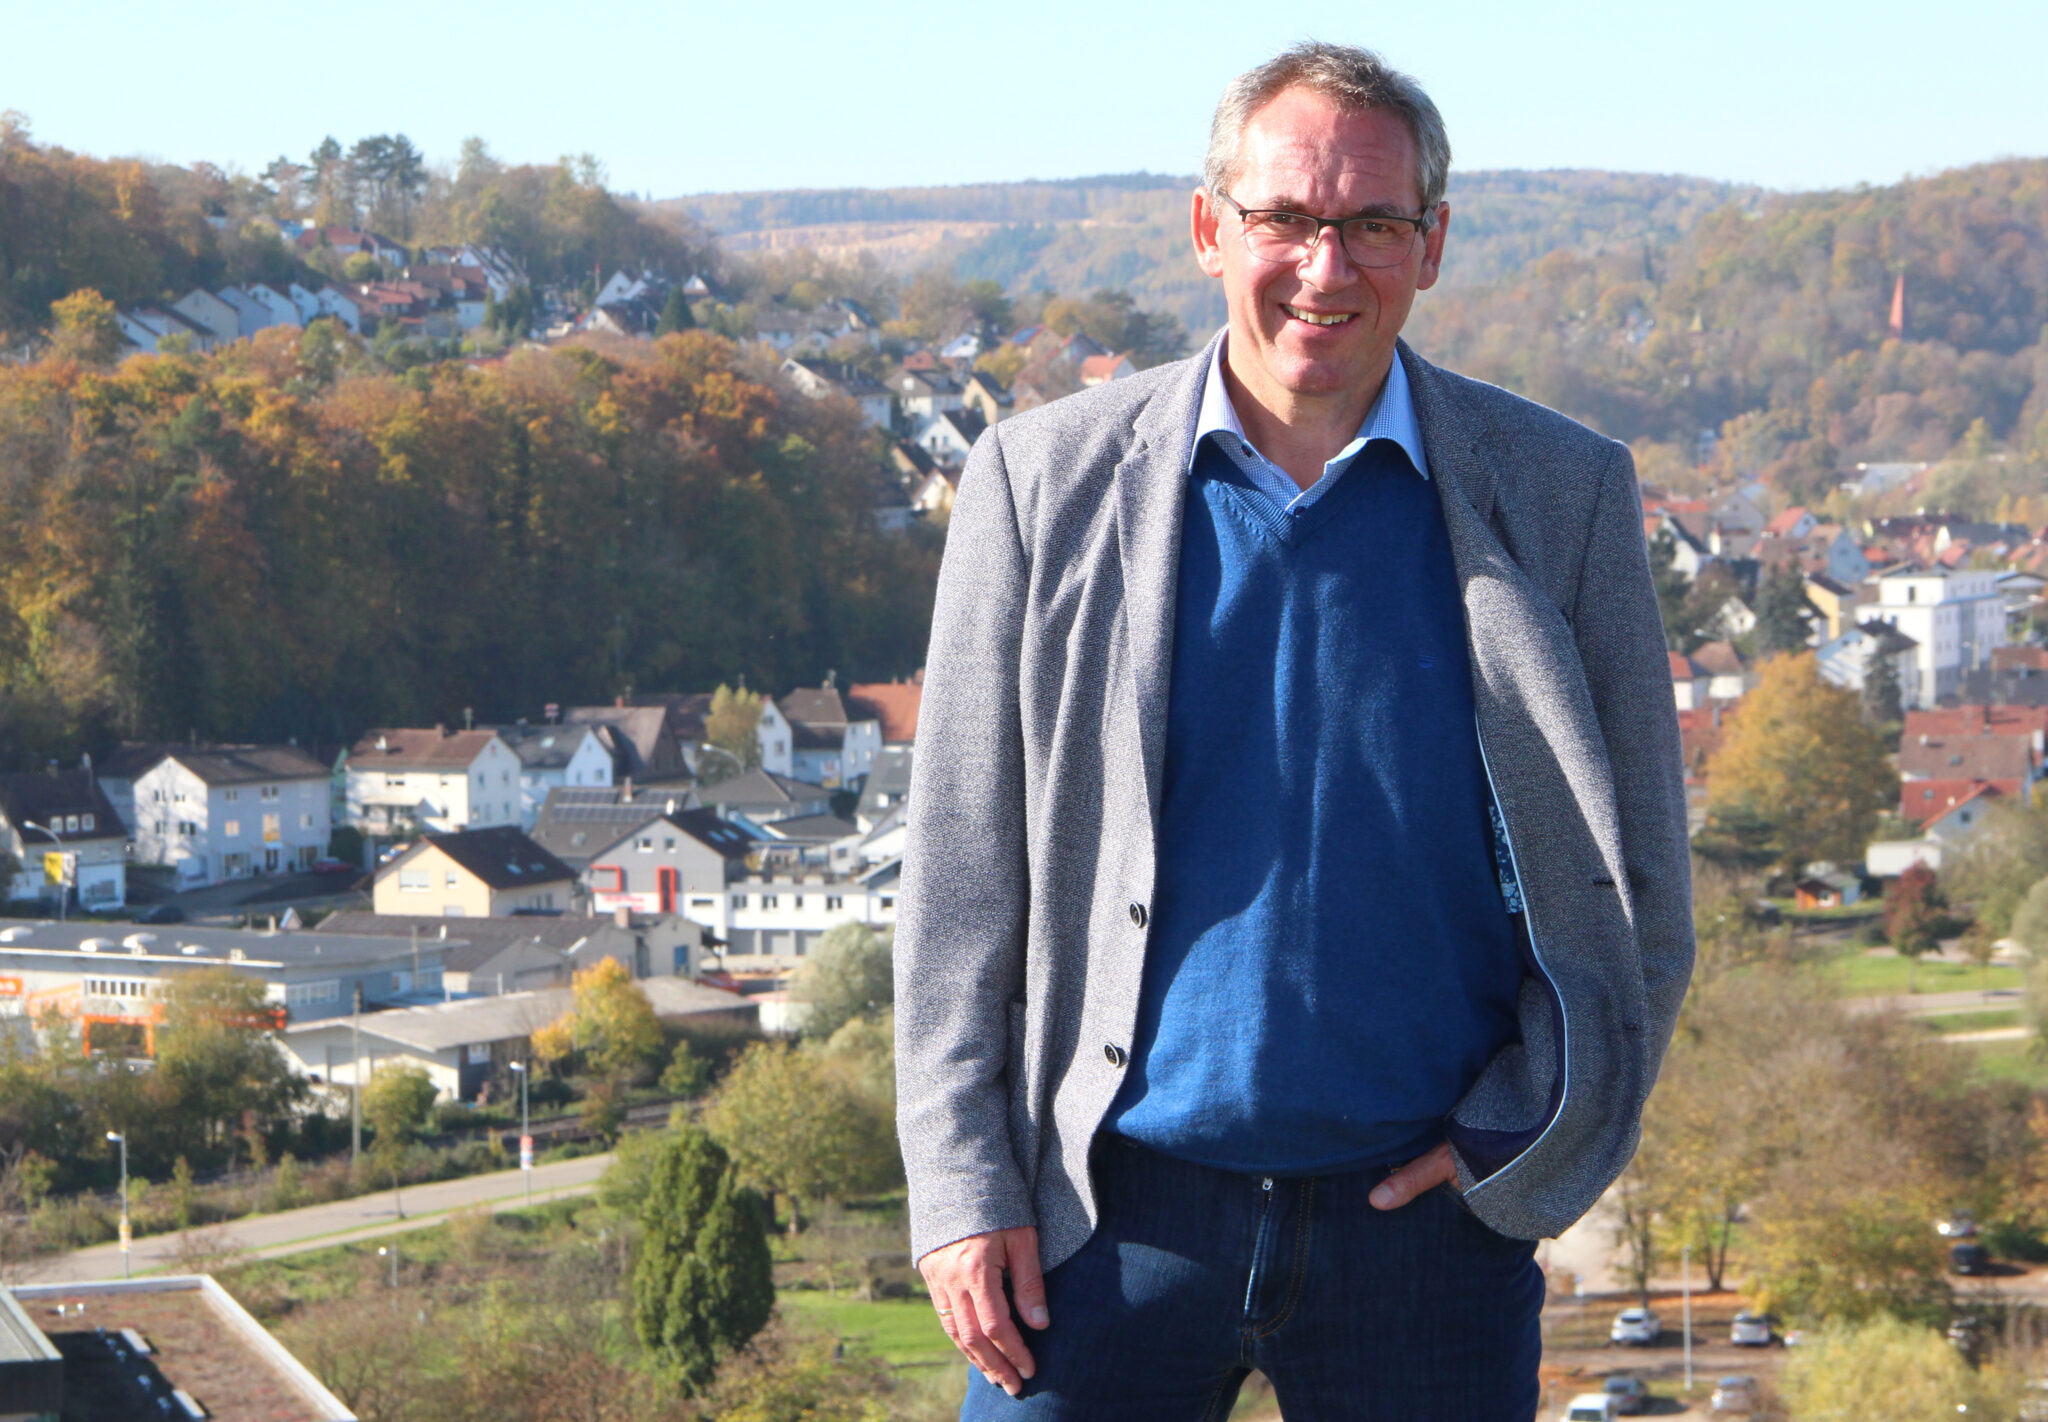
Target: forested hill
{"x":281,"y":539}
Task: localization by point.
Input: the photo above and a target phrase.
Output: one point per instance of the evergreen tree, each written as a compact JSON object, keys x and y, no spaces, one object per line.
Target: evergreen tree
{"x":1882,"y":704}
{"x":1782,"y":611}
{"x":675,"y":314}
{"x":703,"y":1284}
{"x":1672,"y":587}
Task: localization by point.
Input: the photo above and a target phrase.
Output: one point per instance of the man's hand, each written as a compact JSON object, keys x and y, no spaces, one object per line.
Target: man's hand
{"x":966,"y":1283}
{"x":1425,"y":1172}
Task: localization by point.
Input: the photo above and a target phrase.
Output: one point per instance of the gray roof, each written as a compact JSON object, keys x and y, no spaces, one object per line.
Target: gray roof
{"x":445,"y":1025}
{"x":889,"y":777}
{"x":812,"y":829}
{"x":36,"y":795}
{"x":545,"y":747}
{"x":295,"y":948}
{"x":763,"y":790}
{"x":502,"y":856}
{"x":576,"y":824}
{"x":468,"y":943}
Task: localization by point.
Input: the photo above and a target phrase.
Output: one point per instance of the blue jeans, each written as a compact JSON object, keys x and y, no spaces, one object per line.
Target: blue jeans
{"x":1194,"y":1277}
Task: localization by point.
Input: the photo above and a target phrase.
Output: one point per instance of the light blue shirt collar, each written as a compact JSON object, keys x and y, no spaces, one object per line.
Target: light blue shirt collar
{"x":1392,"y":416}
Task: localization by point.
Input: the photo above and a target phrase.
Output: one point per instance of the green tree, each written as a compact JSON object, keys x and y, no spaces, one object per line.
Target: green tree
{"x":687,"y":1074}
{"x":1885,"y":1370}
{"x":85,"y":328}
{"x":675,"y":314}
{"x":1999,"y":865}
{"x":851,"y":974}
{"x":1801,"y":761}
{"x":397,"y":1105}
{"x":797,"y":1128}
{"x":217,"y":1063}
{"x":611,"y":1022}
{"x":1783,"y":615}
{"x":1672,"y":587}
{"x":702,"y":1285}
{"x":734,"y":724}
{"x":1882,"y":703}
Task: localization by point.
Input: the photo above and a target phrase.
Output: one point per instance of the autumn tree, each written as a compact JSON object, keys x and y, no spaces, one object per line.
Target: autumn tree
{"x":1887,"y":1370}
{"x":733,"y":726}
{"x":702,"y":1284}
{"x":1914,"y":908}
{"x":850,"y":974}
{"x":1801,"y":763}
{"x":84,"y":328}
{"x":797,"y":1129}
{"x":397,"y":1105}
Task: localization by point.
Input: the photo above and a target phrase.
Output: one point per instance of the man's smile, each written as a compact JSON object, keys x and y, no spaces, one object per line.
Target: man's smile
{"x":1318,"y":318}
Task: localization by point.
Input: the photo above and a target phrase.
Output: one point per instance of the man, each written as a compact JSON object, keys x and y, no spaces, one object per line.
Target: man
{"x":1296,"y":904}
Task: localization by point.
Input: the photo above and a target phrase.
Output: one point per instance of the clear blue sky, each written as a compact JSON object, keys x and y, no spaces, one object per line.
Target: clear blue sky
{"x":686,"y":96}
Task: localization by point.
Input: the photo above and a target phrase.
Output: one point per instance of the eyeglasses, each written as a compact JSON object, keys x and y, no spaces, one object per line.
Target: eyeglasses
{"x":1277,"y":235}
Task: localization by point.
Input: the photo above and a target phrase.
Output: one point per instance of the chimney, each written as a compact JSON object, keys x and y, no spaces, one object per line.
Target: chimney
{"x":626,"y":791}
{"x":441,"y":728}
{"x":619,"y":702}
{"x":468,"y":719}
{"x":623,"y":916}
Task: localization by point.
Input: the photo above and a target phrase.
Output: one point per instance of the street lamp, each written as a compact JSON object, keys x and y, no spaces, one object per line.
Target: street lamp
{"x":127,"y":1235}
{"x":525,"y":1134}
{"x":63,"y":889}
{"x":393,"y":1252}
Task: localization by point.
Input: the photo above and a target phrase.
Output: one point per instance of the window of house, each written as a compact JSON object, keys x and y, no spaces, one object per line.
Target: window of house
{"x":305,"y":822}
{"x":230,"y":795}
{"x":414,"y":881}
{"x":268,"y":792}
{"x":479,"y":1053}
{"x":618,"y":878}
{"x":833,"y":903}
{"x":668,"y":842}
{"x":739,"y":901}
{"x":769,"y":901}
{"x":85,"y":823}
{"x":452,"y":880}
{"x":394,"y":782}
{"x":70,"y":823}
{"x":888,"y":901}
{"x":646,"y":844}
{"x":702,"y":903}
{"x":799,"y":903}
{"x":231,"y":828}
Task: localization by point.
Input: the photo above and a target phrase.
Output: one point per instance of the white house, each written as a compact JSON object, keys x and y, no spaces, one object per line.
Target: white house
{"x":306,"y":303}
{"x":148,"y":326}
{"x":949,"y":435}
{"x":225,"y":812}
{"x":203,"y":308}
{"x":1846,"y":660}
{"x":342,"y":306}
{"x":831,"y":748}
{"x":551,"y":756}
{"x":819,"y":379}
{"x":254,"y":312}
{"x":405,"y":782}
{"x":1955,"y":616}
{"x":62,"y":830}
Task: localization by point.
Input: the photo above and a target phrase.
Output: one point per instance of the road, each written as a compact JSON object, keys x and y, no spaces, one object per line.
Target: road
{"x":323,"y":1226}
{"x":1935,"y":1004}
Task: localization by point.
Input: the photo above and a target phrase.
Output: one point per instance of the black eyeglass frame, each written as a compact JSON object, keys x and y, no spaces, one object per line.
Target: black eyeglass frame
{"x":1418,"y":226}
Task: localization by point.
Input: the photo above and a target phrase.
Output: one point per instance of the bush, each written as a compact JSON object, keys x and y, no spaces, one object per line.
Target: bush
{"x":2012,"y":1239}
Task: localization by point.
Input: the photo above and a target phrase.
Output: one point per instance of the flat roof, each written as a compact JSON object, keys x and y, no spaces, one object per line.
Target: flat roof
{"x":506,"y":1016}
{"x":163,"y":944}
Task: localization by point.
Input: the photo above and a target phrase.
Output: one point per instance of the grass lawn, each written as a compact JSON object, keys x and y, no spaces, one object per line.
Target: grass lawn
{"x":2009,"y":1061}
{"x":902,"y":1332}
{"x":1971,"y":1021}
{"x":1861,"y":974}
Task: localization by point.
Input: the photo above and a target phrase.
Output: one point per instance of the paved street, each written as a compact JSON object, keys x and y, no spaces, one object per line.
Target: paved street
{"x":321,"y":1226}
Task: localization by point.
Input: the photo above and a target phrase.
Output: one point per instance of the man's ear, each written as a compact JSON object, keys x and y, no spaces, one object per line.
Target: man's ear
{"x":1433,"y":249}
{"x":1203,"y":215}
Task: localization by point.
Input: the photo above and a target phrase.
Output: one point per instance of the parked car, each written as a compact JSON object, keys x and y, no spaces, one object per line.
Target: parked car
{"x":1591,"y":1407}
{"x":161,"y":913}
{"x":1637,"y":1327}
{"x":1734,"y":1393}
{"x":1960,"y":1225}
{"x":1630,"y":1393}
{"x":334,"y":866}
{"x":1969,"y":1259}
{"x":1751,"y":1330}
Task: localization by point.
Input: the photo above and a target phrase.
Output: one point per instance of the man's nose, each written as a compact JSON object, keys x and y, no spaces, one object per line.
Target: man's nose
{"x":1326,"y":265}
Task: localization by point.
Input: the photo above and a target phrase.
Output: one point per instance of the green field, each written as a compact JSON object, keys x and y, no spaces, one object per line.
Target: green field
{"x":2009,"y":1061}
{"x":1971,"y":1021}
{"x":1860,"y":974}
{"x":902,"y":1332}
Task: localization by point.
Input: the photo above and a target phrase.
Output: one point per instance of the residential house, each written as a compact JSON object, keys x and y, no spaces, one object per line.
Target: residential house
{"x":1835,"y":602}
{"x":1101,"y":369}
{"x":1955,"y":617}
{"x":345,"y":242}
{"x":342,"y":306}
{"x":1700,"y":734}
{"x":887,"y":787}
{"x":924,"y":394}
{"x":774,"y":919}
{"x":634,"y":319}
{"x":820,"y":379}
{"x":576,"y":825}
{"x":1828,"y":888}
{"x":212,"y":813}
{"x":893,"y":703}
{"x":1952,"y":809}
{"x":553,"y":756}
{"x":1792,"y":523}
{"x":1846,"y":660}
{"x":147,"y":327}
{"x":1689,"y":682}
{"x":1728,"y":676}
{"x":463,"y":289}
{"x":686,"y":712}
{"x":481,"y":873}
{"x":202,"y":308}
{"x":986,"y":395}
{"x":949,"y":436}
{"x":832,"y":749}
{"x":404,"y":782}
{"x":644,"y":738}
{"x":764,"y":797}
{"x":1980,"y":742}
{"x":668,"y":864}
{"x":64,"y":836}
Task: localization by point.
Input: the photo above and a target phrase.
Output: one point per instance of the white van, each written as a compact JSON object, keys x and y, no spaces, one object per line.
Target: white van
{"x":1591,"y":1407}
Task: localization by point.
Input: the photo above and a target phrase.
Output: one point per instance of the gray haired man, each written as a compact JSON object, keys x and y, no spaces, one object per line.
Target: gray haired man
{"x":1296,"y":905}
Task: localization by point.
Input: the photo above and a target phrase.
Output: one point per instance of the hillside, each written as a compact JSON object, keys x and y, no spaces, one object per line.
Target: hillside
{"x":1131,"y":231}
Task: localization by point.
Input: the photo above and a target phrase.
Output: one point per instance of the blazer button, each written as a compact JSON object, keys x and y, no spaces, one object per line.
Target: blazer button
{"x":1138,"y":914}
{"x":1112,"y":1053}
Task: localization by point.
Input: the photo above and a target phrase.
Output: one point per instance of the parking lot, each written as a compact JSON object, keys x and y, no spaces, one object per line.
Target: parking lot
{"x":1577,"y":1357}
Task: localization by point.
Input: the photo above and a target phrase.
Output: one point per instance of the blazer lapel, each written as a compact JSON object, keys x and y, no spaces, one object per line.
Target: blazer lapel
{"x":1151,"y":494}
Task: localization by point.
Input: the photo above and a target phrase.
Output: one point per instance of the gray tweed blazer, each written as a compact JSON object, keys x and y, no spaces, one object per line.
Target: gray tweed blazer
{"x":1030,"y":861}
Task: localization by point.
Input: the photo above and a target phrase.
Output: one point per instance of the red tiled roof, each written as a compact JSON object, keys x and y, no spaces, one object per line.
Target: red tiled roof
{"x":894,"y":703}
{"x":1977,"y":720}
{"x":1785,"y":522}
{"x":1922,"y":801}
{"x":1682,"y":668}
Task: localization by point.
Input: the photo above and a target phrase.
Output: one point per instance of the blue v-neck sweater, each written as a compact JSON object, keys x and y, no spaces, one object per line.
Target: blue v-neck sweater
{"x":1331,"y":962}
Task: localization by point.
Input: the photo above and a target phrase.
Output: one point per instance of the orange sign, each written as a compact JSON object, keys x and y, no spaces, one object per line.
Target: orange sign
{"x":10,"y":987}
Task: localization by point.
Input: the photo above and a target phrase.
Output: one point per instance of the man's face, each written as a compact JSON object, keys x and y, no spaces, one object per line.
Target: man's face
{"x":1305,"y":152}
